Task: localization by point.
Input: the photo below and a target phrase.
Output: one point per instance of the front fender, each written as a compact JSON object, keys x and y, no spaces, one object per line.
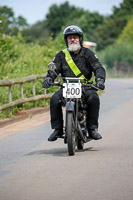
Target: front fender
{"x":70,"y":106}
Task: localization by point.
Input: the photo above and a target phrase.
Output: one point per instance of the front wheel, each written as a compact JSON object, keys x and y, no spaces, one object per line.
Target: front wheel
{"x":70,"y":132}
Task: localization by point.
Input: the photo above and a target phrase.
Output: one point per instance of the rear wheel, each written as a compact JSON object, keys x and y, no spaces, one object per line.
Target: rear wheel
{"x":80,"y":144}
{"x":70,"y":132}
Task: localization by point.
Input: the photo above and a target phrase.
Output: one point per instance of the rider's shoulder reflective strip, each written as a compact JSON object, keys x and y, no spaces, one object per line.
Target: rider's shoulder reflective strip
{"x":71,"y":64}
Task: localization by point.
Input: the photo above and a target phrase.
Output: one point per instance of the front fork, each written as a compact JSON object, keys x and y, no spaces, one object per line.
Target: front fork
{"x":72,"y":106}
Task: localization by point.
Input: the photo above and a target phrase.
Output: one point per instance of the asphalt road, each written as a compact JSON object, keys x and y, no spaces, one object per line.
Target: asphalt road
{"x":33,"y":168}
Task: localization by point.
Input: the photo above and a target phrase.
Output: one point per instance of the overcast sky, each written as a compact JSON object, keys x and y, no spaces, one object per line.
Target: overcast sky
{"x":35,"y":10}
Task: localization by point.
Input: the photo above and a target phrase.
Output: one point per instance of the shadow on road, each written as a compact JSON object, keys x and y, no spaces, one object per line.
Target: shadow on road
{"x":57,"y":151}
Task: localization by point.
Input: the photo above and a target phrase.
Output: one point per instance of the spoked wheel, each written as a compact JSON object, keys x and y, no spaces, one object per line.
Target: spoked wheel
{"x":70,"y":132}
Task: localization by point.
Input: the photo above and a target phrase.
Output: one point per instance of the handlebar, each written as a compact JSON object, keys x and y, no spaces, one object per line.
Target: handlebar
{"x":88,"y":84}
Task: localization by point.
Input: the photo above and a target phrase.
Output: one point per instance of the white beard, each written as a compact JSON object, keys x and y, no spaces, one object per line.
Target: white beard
{"x":74,"y":47}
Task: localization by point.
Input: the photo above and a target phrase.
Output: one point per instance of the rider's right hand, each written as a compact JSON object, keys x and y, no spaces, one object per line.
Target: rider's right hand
{"x":47,"y":82}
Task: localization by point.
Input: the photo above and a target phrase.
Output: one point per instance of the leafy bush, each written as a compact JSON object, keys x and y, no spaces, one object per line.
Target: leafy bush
{"x":18,"y":59}
{"x":116,"y":52}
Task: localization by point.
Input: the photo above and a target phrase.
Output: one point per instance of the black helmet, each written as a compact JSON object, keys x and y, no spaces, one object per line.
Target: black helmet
{"x":73,"y":30}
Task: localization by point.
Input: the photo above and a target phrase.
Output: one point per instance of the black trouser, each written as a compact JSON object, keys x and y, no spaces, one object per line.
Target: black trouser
{"x":93,"y":105}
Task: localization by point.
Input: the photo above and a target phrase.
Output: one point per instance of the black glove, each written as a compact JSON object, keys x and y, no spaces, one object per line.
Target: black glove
{"x":100,"y":83}
{"x":47,"y":82}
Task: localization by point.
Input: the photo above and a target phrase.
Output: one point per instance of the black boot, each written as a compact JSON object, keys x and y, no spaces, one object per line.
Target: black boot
{"x":94,"y":134}
{"x":57,"y":133}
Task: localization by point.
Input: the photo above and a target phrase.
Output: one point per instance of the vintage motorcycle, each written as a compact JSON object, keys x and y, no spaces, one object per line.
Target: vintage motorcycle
{"x":75,"y":130}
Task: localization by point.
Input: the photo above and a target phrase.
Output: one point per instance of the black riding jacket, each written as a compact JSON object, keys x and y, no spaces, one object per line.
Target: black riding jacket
{"x":85,"y":60}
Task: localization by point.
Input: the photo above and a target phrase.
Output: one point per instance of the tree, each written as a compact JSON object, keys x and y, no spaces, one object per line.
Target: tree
{"x":127,"y":33}
{"x":6,"y":17}
{"x":8,"y":14}
{"x":60,"y":15}
{"x":89,"y":22}
{"x":38,"y":32}
{"x":21,"y":22}
{"x":123,"y":13}
{"x":107,"y":33}
{"x":9,"y":23}
{"x":124,"y":10}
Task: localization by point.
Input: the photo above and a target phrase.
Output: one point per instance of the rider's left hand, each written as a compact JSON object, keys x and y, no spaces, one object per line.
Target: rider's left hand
{"x":100,"y":83}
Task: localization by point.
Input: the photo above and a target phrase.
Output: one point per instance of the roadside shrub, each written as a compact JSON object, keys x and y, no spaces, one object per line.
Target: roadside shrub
{"x":116,"y":52}
{"x":17,"y":60}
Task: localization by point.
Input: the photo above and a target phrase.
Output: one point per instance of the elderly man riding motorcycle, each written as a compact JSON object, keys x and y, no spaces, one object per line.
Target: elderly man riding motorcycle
{"x":76,"y":61}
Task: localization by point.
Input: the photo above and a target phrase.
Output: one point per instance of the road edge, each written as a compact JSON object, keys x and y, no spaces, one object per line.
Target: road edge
{"x":22,"y":115}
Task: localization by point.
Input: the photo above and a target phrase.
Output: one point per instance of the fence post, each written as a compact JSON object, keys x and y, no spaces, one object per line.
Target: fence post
{"x":22,"y":99}
{"x":9,"y":98}
{"x":33,"y":91}
{"x":45,"y":92}
{"x":116,"y":68}
{"x":21,"y":91}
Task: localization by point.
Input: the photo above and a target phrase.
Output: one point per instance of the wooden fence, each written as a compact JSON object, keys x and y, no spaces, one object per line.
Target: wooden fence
{"x":124,"y":68}
{"x":22,"y":100}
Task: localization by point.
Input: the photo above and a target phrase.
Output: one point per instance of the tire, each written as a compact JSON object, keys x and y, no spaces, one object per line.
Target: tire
{"x":70,"y":132}
{"x":80,"y":144}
